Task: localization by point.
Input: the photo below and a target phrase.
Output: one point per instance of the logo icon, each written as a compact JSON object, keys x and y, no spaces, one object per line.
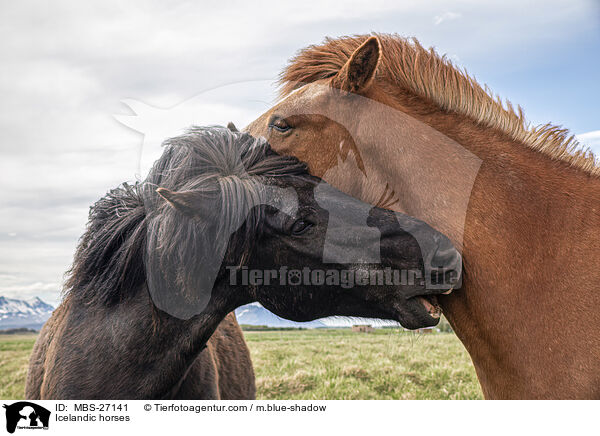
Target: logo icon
{"x":26,"y":415}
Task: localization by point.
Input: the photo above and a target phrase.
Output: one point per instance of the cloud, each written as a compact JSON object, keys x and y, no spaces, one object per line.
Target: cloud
{"x":591,"y":140}
{"x":240,"y":102}
{"x":446,"y":16}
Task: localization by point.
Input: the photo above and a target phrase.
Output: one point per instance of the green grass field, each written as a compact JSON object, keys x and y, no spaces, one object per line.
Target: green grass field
{"x":323,"y":364}
{"x":341,"y":364}
{"x":14,"y":357}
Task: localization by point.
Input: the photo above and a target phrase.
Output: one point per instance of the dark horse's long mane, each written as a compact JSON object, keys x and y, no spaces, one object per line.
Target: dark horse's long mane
{"x":109,"y":265}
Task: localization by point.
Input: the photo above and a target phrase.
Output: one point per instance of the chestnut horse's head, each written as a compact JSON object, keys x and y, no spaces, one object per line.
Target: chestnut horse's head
{"x":323,"y":110}
{"x":346,"y":114}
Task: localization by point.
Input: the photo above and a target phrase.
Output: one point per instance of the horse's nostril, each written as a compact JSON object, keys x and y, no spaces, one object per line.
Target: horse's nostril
{"x":447,"y":258}
{"x":446,"y":265}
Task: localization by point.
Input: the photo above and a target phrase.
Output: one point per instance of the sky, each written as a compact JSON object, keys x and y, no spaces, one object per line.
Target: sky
{"x":74,"y":74}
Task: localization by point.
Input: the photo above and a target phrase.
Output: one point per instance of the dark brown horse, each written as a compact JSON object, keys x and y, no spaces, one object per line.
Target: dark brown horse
{"x":409,"y":129}
{"x":158,"y":270}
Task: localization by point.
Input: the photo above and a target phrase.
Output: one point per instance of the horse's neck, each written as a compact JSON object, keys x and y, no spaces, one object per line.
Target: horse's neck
{"x":516,"y":188}
{"x":531,"y":245}
{"x":530,"y":287}
{"x":159,"y":343}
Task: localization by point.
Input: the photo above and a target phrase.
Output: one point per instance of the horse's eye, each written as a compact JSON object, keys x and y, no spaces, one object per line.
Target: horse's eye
{"x":300,"y":227}
{"x":280,"y":125}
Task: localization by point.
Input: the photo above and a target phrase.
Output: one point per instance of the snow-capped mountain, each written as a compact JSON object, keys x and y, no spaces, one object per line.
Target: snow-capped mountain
{"x":31,"y":313}
{"x":255,"y":314}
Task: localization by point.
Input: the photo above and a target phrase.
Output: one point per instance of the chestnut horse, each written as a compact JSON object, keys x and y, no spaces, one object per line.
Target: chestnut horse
{"x":523,"y":203}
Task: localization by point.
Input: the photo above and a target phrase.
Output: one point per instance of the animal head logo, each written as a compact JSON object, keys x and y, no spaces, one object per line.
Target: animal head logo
{"x":26,"y":415}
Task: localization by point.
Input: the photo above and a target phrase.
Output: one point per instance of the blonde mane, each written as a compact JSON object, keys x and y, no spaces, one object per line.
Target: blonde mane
{"x":407,"y":64}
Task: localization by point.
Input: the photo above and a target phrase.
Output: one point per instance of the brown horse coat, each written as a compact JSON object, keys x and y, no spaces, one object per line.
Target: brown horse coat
{"x":222,"y":371}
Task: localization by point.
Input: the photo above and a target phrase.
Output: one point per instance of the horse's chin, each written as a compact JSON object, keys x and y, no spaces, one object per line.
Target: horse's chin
{"x":418,"y":312}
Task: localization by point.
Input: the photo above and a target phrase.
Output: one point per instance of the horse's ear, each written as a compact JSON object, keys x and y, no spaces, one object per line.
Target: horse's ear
{"x":183,"y":256}
{"x":358,"y":73}
{"x":190,"y":203}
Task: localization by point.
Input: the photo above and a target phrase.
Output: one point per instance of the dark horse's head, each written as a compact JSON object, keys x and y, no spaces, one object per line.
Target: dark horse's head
{"x":226,"y":221}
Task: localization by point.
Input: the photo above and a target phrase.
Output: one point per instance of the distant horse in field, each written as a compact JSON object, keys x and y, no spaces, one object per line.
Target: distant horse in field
{"x":522,"y":203}
{"x":160,"y":268}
